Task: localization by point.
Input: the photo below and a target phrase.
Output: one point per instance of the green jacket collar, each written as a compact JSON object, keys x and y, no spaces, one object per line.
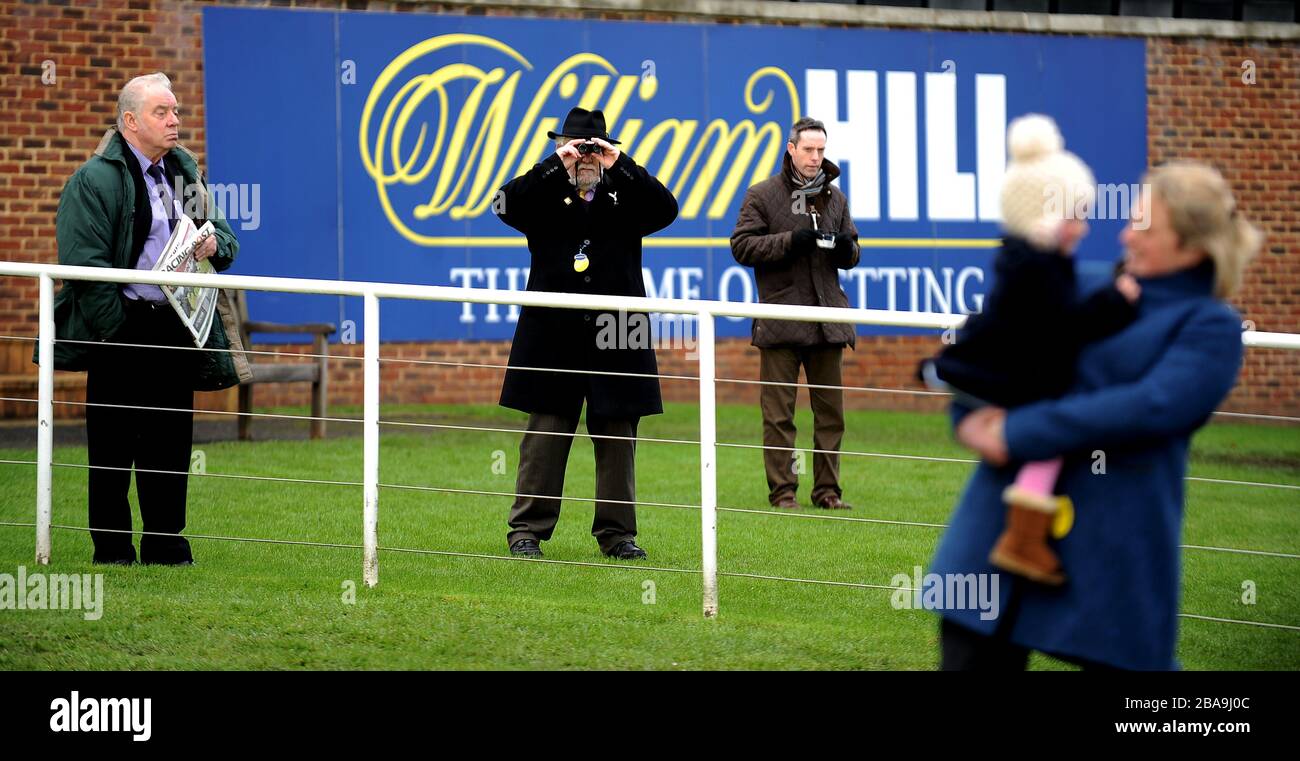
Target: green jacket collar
{"x":115,"y":150}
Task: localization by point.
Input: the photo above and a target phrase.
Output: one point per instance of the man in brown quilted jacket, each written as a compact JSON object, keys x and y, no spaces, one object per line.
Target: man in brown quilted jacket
{"x":795,"y":231}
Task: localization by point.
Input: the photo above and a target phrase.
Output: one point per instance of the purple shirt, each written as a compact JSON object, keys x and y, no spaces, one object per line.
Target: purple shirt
{"x":159,"y":231}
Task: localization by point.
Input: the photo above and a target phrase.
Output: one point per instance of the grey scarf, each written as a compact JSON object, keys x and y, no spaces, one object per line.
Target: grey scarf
{"x":807,"y":188}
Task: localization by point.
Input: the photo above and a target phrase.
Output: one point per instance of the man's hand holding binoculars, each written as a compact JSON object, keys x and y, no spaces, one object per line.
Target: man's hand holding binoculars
{"x":573,"y":151}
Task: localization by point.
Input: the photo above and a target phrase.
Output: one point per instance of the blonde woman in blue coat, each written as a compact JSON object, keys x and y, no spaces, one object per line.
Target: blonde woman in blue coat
{"x":1137,"y":398}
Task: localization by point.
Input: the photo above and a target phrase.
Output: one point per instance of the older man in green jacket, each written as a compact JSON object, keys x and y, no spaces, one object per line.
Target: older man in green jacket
{"x":118,"y":210}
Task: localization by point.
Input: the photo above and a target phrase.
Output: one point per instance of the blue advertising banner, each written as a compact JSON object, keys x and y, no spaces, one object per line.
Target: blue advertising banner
{"x":368,"y":146}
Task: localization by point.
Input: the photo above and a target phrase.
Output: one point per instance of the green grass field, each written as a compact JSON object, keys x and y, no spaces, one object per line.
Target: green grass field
{"x":274,"y":606}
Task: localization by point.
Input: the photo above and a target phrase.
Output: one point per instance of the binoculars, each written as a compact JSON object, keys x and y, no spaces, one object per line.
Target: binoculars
{"x":586,"y":148}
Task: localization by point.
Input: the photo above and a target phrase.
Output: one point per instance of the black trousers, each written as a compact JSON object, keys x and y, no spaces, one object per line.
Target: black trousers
{"x":121,"y":438}
{"x":542,"y":462}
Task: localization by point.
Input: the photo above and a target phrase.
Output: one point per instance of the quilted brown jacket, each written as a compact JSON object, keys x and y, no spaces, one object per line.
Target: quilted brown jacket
{"x":762,"y":240}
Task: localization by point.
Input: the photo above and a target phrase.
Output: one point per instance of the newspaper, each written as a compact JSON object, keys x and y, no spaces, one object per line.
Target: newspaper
{"x":194,"y":305}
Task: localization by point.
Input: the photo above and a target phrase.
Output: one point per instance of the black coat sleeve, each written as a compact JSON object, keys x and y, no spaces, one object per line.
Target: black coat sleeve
{"x":651,"y":205}
{"x":524,"y":201}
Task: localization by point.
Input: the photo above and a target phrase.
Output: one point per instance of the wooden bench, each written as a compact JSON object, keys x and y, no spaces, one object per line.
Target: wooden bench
{"x":316,"y":373}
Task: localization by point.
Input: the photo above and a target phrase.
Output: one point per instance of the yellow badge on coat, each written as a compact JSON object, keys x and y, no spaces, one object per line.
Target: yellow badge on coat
{"x":580,"y":263}
{"x":1064,"y":519}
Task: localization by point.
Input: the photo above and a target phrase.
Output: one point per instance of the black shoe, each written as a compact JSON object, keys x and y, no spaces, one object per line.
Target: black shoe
{"x":526,"y":548}
{"x":627,"y":550}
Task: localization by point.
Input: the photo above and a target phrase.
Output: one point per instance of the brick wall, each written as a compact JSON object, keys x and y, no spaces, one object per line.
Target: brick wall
{"x":1199,"y":107}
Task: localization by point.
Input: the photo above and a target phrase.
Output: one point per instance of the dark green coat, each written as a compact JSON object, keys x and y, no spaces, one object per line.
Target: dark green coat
{"x":95,"y":228}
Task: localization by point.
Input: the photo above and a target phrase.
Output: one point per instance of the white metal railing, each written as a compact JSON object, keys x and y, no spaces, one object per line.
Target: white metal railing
{"x":371,"y":293}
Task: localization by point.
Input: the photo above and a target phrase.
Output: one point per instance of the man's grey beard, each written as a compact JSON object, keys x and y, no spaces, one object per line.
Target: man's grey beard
{"x":582,"y":185}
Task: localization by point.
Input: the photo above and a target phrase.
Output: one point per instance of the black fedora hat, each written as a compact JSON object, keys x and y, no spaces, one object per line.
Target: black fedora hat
{"x":583,"y":123}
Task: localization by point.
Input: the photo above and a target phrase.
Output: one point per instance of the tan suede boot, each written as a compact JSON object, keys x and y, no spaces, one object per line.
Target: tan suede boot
{"x":1022,"y":548}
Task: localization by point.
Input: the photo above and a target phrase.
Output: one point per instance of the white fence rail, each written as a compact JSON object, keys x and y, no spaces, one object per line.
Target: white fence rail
{"x":703,"y":311}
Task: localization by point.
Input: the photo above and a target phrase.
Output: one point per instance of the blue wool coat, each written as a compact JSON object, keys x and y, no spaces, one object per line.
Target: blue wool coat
{"x":1137,"y":397}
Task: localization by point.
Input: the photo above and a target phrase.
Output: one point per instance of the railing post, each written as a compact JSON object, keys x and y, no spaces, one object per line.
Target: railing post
{"x":45,"y":419}
{"x":708,"y":466}
{"x":370,"y":424}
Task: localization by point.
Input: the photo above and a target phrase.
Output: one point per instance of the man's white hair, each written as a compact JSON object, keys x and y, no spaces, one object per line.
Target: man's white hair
{"x":132,"y":96}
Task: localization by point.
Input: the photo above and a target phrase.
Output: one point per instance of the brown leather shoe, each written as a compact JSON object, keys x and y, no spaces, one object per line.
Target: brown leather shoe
{"x":788,"y":502}
{"x":833,"y":502}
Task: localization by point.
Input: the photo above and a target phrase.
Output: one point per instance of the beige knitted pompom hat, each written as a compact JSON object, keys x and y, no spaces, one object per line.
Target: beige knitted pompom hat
{"x":1044,"y":184}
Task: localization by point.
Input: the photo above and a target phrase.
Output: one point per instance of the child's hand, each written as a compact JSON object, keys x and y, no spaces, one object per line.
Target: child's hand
{"x":1128,"y":286}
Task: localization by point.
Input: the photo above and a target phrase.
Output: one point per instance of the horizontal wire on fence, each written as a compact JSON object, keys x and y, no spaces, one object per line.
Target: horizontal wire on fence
{"x":407,"y":487}
{"x":815,"y":516}
{"x":1266,"y":553}
{"x":256,"y":352}
{"x":1230,"y":482}
{"x":539,"y":369}
{"x":165,"y":346}
{"x":773,"y":513}
{"x":1239,"y":621}
{"x":575,"y":434}
{"x":918,"y":524}
{"x":971,"y":462}
{"x":484,"y":365}
{"x":633,"y":503}
{"x":193,"y":410}
{"x":821,"y":582}
{"x":300,"y":355}
{"x":203,"y":474}
{"x":242,"y":539}
{"x":1259,"y":416}
{"x":795,"y":384}
{"x":661,"y":376}
{"x":582,"y":564}
{"x":483,"y":493}
{"x":926,"y":458}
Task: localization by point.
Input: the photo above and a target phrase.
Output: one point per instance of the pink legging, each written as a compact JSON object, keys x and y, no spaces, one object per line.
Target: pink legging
{"x":1039,"y":477}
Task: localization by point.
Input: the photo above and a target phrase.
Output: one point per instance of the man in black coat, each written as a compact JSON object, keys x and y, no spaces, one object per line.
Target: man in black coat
{"x":584,"y":210}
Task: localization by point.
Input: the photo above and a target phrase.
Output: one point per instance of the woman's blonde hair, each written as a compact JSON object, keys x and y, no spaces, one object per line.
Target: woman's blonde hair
{"x":1204,"y":215}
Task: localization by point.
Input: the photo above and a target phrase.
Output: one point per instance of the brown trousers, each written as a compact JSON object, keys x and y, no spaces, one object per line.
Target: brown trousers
{"x":542,"y":461}
{"x":821,"y":365}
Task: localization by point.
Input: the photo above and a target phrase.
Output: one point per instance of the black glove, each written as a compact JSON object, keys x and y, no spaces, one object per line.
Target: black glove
{"x":844,"y":244}
{"x":803,"y":241}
